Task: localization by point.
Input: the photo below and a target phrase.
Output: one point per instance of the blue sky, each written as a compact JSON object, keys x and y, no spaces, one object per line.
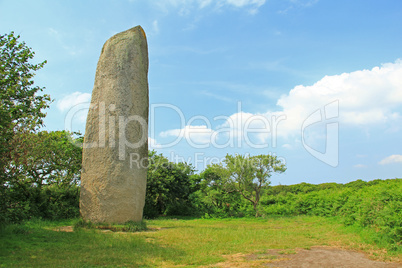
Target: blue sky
{"x":316,"y":82}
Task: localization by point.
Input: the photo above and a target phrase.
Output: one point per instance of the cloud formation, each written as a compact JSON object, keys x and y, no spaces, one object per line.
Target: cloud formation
{"x":197,"y":136}
{"x":365,"y":97}
{"x":242,"y":3}
{"x":72,"y":100}
{"x":186,"y":6}
{"x":396,"y":158}
{"x":153,"y":144}
{"x":360,"y":166}
{"x":75,"y":106}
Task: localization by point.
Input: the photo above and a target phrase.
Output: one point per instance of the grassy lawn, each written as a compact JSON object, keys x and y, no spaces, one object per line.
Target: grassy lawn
{"x":181,"y":242}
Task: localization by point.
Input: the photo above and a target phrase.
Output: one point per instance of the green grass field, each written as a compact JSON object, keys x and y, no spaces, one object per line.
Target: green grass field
{"x":178,"y":242}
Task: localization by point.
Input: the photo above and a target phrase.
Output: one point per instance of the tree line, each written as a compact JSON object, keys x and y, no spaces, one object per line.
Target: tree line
{"x":40,"y":171}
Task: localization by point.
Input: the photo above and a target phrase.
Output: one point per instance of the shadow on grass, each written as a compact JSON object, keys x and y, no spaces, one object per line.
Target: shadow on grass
{"x":23,"y":246}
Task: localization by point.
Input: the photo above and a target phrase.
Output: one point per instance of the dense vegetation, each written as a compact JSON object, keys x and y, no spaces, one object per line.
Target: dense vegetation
{"x":45,"y":181}
{"x":40,"y":173}
{"x":376,"y":204}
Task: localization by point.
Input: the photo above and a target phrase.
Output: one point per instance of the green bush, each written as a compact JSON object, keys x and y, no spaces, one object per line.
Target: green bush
{"x":50,"y":202}
{"x":375,"y":204}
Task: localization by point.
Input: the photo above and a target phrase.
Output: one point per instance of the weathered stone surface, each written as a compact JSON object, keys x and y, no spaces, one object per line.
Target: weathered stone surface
{"x":113,"y":179}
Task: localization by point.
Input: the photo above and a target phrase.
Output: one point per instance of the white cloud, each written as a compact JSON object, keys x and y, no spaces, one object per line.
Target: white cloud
{"x":287,"y":146}
{"x":253,"y":5}
{"x":360,"y":166}
{"x":52,"y":31}
{"x":294,"y":4}
{"x":242,"y":3}
{"x":153,"y":144}
{"x":248,"y":125}
{"x":216,"y":96}
{"x":76,"y":106}
{"x":198,"y":136}
{"x":396,"y":158}
{"x":155,"y":26}
{"x":204,"y":3}
{"x":72,"y":100}
{"x":185,"y":7}
{"x":365,"y":97}
{"x":304,"y":3}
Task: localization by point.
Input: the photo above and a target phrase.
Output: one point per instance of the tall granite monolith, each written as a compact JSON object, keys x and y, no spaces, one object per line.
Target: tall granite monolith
{"x":115,"y":154}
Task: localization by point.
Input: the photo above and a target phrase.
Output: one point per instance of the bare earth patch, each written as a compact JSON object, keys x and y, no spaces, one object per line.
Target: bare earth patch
{"x":67,"y":229}
{"x":314,"y":257}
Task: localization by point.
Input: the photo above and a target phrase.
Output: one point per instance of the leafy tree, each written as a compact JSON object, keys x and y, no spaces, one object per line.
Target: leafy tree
{"x":248,"y":175}
{"x":54,"y":158}
{"x":21,"y":109}
{"x":45,"y":181}
{"x":169,"y":187}
{"x":219,"y":197}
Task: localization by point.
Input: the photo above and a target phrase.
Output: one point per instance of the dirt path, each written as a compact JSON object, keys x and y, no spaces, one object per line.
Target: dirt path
{"x":316,"y":257}
{"x":330,"y":257}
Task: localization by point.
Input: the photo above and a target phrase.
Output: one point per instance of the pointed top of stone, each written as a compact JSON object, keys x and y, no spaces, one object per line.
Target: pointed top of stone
{"x":126,"y":41}
{"x":135,"y":30}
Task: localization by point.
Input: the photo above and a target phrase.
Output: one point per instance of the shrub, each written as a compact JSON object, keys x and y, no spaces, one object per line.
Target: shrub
{"x":376,"y":204}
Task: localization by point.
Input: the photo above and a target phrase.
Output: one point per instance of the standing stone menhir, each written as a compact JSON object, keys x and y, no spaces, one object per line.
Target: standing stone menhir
{"x":114,"y":168}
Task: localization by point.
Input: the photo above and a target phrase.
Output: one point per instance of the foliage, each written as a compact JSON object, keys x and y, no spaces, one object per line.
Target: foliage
{"x":169,"y":187}
{"x":45,"y":181}
{"x":375,"y":205}
{"x":249,"y":174}
{"x":214,"y":197}
{"x":21,"y":106}
{"x":54,"y":158}
{"x":228,"y":189}
{"x":21,"y":109}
